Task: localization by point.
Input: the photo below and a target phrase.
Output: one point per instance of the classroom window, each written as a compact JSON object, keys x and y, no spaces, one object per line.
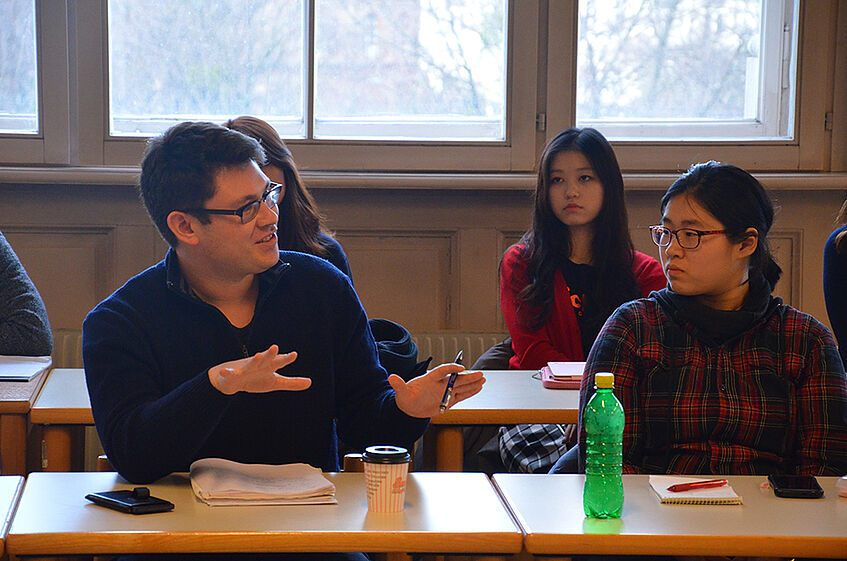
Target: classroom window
{"x":383,"y":69}
{"x":420,"y":86}
{"x":198,"y":60}
{"x":18,"y":70}
{"x":410,"y":69}
{"x":687,"y":69}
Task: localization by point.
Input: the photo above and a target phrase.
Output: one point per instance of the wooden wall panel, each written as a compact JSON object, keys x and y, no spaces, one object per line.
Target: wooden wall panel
{"x":71,"y":267}
{"x":427,"y":259}
{"x":406,"y":277}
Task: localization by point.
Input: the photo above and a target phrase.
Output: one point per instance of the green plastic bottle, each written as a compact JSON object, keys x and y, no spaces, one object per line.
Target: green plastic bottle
{"x":603,"y":420}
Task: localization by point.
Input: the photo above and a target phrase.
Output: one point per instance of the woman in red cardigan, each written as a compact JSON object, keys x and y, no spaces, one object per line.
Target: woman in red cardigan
{"x":575,"y":265}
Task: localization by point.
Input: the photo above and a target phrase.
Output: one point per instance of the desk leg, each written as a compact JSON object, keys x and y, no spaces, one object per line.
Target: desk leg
{"x":56,"y":455}
{"x":13,"y":444}
{"x":449,"y":448}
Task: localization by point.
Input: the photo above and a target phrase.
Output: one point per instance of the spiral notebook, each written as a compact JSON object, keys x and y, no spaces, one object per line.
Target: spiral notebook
{"x":712,"y":496}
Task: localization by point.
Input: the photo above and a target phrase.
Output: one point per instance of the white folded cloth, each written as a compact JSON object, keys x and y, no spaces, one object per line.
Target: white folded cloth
{"x":219,"y":482}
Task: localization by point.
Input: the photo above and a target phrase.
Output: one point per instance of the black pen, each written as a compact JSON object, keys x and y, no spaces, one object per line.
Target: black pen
{"x":448,"y":391}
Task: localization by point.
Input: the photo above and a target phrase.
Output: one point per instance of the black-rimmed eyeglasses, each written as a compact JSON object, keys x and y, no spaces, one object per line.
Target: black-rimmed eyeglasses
{"x":249,"y":211}
{"x":687,"y":238}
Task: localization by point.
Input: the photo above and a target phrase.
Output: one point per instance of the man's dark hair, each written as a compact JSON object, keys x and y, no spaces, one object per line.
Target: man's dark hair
{"x":179,"y":167}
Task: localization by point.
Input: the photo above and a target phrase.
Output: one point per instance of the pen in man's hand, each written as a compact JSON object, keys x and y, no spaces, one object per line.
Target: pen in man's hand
{"x":448,"y":391}
{"x":697,"y":485}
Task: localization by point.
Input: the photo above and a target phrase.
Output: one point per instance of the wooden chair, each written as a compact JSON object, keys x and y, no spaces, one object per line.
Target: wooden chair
{"x":353,"y":462}
{"x":103,"y":463}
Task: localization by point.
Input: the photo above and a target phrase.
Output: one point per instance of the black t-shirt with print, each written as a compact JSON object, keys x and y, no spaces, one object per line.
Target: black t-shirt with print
{"x":582,"y":283}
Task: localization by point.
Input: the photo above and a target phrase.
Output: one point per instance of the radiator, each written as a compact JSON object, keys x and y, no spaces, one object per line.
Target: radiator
{"x":67,"y":348}
{"x":442,"y":346}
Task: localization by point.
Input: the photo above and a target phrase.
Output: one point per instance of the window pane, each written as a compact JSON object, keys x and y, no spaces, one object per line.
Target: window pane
{"x":198,"y":60}
{"x":696,"y":63}
{"x":410,"y":69}
{"x":18,"y":70}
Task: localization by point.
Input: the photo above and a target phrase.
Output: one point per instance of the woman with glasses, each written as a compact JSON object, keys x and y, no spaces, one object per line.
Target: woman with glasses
{"x":301,"y":225}
{"x":835,"y":280}
{"x":573,"y":267}
{"x":716,"y":375}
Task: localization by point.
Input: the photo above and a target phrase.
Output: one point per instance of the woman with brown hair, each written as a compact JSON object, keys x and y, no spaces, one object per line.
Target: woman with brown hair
{"x":835,"y":281}
{"x":301,"y":225}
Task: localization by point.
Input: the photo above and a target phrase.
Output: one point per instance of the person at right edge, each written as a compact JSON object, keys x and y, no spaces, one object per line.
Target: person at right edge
{"x":716,"y":375}
{"x":835,"y":281}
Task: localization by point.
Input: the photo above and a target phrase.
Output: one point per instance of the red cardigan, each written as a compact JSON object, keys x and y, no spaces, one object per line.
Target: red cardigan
{"x":560,"y":338}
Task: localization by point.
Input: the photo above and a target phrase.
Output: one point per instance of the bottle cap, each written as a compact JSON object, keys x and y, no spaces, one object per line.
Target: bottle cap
{"x":604,"y":380}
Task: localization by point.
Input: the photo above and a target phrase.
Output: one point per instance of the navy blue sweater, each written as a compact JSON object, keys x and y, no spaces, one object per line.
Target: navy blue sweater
{"x":148,"y":347}
{"x":835,"y":291}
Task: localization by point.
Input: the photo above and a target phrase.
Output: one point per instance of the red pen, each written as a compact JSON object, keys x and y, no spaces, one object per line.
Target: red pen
{"x":697,"y":485}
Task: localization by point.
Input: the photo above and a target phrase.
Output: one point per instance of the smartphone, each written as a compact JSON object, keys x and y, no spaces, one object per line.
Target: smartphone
{"x":795,"y":486}
{"x":136,"y":501}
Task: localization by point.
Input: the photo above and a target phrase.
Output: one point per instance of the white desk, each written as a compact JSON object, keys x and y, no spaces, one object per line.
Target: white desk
{"x":63,"y":409}
{"x":549,"y":510}
{"x":445,"y":513}
{"x":10,"y":492}
{"x":507,"y":398}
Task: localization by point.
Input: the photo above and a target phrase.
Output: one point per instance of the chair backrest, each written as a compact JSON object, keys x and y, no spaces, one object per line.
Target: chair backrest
{"x":353,"y":462}
{"x":103,"y":463}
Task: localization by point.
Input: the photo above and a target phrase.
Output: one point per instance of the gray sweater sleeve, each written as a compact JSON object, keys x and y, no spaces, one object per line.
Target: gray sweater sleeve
{"x":24,"y":328}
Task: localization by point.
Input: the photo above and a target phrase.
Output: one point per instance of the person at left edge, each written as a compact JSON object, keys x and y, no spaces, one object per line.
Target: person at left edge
{"x":181,"y":362}
{"x":24,"y":327}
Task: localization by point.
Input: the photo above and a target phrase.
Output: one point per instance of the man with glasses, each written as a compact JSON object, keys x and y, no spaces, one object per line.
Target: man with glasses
{"x":231,"y":348}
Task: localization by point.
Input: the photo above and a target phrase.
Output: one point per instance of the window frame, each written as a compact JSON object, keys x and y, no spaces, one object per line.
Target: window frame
{"x":808,"y":150}
{"x":517,"y":151}
{"x":773,"y":113}
{"x":541,"y":89}
{"x":53,"y":143}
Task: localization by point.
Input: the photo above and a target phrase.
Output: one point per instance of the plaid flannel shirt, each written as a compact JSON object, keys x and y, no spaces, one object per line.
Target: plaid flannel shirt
{"x":773,"y":399}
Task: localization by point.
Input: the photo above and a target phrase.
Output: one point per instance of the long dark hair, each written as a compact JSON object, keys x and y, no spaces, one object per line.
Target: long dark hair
{"x":548,"y":244}
{"x":841,"y":220}
{"x":739,"y":202}
{"x":300,"y":222}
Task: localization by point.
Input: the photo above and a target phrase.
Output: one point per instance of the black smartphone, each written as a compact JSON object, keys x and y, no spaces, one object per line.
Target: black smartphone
{"x":136,"y":501}
{"x":795,"y":486}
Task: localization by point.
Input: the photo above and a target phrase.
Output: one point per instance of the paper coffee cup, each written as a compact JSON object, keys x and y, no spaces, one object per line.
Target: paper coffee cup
{"x":386,"y":470}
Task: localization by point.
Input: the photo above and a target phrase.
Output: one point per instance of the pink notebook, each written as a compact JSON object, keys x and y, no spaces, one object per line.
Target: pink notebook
{"x":562,"y":375}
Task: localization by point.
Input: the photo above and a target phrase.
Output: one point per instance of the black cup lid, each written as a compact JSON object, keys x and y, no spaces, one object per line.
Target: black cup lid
{"x":386,"y":454}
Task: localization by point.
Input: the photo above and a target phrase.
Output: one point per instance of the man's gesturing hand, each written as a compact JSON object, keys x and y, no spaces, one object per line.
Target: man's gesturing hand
{"x":421,"y":396}
{"x":257,"y":374}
